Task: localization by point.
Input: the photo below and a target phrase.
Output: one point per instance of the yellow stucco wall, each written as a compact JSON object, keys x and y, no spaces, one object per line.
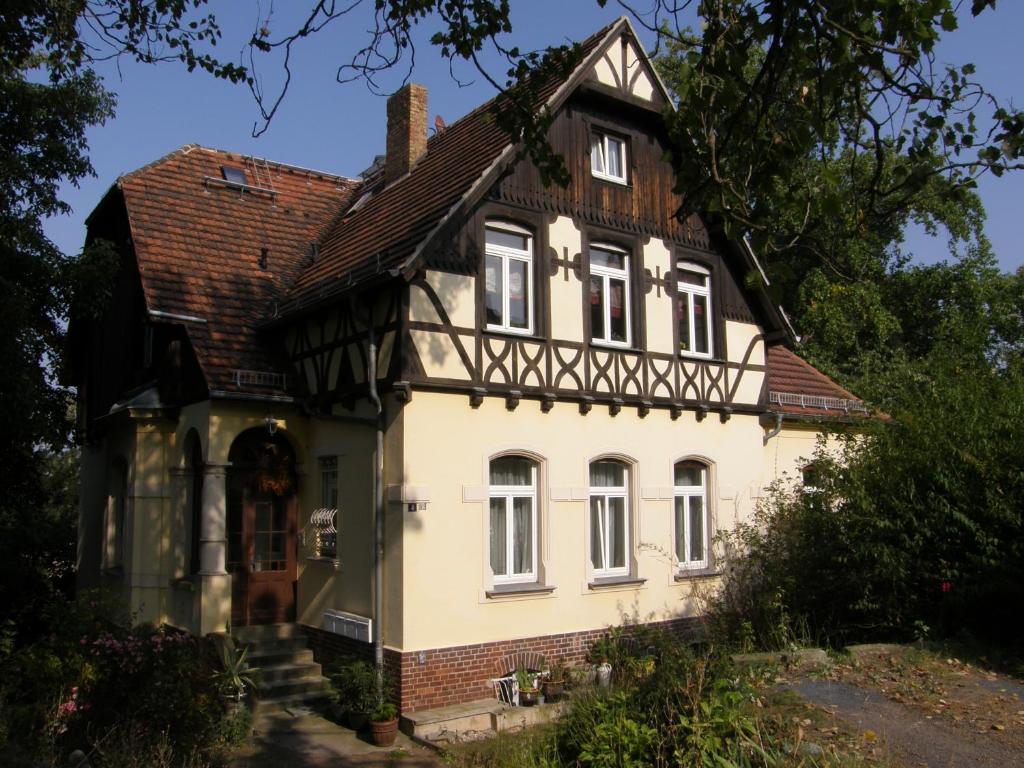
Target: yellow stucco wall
{"x":445,"y":546}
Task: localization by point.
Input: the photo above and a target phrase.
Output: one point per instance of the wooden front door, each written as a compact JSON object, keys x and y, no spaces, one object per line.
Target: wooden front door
{"x":261,"y":530}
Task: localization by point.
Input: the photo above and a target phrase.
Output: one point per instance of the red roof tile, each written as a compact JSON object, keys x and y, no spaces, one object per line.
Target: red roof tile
{"x":385,"y":231}
{"x":198,"y":243}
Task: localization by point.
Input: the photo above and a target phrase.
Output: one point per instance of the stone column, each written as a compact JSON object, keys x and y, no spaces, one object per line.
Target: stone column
{"x":213,"y":534}
{"x":214,"y":608}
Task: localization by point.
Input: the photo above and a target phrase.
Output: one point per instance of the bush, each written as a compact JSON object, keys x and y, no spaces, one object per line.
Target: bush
{"x":94,"y":681}
{"x":917,"y":529}
{"x":354,"y":685}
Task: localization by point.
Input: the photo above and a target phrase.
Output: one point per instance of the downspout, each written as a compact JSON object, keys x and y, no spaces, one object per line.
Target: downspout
{"x":378,"y":509}
{"x":775,"y":430}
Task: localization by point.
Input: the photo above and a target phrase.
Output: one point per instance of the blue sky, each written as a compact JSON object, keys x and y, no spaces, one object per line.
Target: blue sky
{"x":340,"y":127}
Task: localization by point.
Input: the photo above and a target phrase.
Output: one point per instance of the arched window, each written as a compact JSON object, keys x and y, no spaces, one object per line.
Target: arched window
{"x":693,"y":309}
{"x":195,"y":461}
{"x":117,"y":514}
{"x":513,"y":519}
{"x":691,"y":514}
{"x":508,"y":278}
{"x":609,"y":517}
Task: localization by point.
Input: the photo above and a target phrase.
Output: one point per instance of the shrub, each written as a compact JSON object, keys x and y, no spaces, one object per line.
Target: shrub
{"x":94,"y":680}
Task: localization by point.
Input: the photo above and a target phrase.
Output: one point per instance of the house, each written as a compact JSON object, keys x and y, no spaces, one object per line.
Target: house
{"x":441,"y":409}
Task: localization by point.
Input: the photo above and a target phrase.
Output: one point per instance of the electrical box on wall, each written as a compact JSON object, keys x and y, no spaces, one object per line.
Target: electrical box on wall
{"x":413,"y":498}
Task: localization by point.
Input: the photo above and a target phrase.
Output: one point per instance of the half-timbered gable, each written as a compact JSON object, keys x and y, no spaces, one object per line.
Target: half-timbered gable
{"x":550,"y":254}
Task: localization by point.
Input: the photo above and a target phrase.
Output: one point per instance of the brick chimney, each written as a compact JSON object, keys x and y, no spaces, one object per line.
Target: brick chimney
{"x":407,"y":130}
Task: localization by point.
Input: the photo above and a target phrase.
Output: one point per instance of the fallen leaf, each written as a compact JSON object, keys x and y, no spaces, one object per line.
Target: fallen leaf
{"x":870,"y":737}
{"x":998,"y":727}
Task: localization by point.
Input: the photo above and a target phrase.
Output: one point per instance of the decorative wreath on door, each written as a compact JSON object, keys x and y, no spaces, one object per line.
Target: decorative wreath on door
{"x":276,"y":473}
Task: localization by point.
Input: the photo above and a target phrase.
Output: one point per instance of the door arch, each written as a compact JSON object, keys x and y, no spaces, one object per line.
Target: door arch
{"x":262,"y":507}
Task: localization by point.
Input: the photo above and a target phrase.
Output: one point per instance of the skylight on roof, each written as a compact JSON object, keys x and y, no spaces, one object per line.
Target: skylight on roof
{"x":234,"y":175}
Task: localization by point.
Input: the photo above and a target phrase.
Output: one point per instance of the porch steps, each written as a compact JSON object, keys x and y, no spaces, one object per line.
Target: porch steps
{"x":286,"y":675}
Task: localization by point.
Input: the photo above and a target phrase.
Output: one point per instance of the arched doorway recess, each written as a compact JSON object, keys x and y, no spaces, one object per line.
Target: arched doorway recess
{"x":262,"y":513}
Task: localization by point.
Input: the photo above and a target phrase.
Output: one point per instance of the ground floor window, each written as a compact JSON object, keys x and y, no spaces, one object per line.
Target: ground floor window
{"x":324,"y":519}
{"x":513,"y":519}
{"x":609,"y":518}
{"x":691,"y":514}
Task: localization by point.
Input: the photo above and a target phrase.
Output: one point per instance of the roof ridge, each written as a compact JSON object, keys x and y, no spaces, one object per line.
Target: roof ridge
{"x":186,"y":149}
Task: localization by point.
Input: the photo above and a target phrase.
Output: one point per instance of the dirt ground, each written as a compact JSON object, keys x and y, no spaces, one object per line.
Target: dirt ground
{"x":910,"y":708}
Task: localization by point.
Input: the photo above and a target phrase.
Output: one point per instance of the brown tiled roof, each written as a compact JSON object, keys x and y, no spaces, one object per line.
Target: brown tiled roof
{"x":198,"y":243}
{"x":386,"y":230}
{"x":797,"y":387}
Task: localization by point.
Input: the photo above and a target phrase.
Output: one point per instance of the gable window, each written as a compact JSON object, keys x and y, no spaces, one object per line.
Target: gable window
{"x":609,"y":295}
{"x":693,"y":309}
{"x":691,"y":514}
{"x":513,"y":519}
{"x":324,"y":520}
{"x":609,"y":518}
{"x":508,"y":278}
{"x":608,"y":157}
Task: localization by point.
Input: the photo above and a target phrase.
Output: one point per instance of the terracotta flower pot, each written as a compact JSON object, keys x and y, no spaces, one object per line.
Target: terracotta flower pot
{"x":384,"y":733}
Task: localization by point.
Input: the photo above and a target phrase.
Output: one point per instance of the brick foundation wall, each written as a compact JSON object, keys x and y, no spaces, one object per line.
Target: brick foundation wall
{"x":463,"y":673}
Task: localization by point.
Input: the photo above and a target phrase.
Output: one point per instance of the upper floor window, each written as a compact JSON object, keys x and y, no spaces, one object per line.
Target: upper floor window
{"x":609,"y":295}
{"x":693,"y":309}
{"x":691,"y":514}
{"x":513,"y":519}
{"x":609,"y":518}
{"x":508,"y":278}
{"x":608,"y":157}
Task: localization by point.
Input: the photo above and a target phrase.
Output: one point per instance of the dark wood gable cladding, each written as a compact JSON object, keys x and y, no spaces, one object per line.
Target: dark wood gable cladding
{"x":628,"y":215}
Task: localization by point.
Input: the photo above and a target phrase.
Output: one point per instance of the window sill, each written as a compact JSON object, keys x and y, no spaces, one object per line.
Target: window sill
{"x":524,"y":334}
{"x":700,"y":357}
{"x":610,"y":179}
{"x":686,"y":574}
{"x":614,"y":345}
{"x":616,"y":581}
{"x":325,"y":560}
{"x":509,"y":590}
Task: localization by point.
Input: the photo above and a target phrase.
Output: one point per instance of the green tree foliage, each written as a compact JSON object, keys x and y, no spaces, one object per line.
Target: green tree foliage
{"x":917,"y":524}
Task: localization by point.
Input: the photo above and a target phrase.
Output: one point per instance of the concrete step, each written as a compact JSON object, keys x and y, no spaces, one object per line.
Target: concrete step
{"x":474,"y":719}
{"x":301,"y":671}
{"x":279,"y":688}
{"x":265,"y":632}
{"x":313,"y":700}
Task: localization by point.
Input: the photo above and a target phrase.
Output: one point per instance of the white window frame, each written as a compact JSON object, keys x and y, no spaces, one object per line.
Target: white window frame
{"x":689,"y":492}
{"x":599,"y":148}
{"x":606,"y":274}
{"x":604,"y":493}
{"x":508,"y":493}
{"x":506,"y":255}
{"x":692,"y":291}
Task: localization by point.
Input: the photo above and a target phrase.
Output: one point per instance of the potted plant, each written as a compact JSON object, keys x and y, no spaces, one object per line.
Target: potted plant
{"x":354,"y":685}
{"x":528,"y":691}
{"x":384,"y":724}
{"x":234,"y":679}
{"x":554,"y":685}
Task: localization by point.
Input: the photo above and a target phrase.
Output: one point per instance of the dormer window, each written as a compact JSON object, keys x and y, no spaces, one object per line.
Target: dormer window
{"x":693,"y":309}
{"x":608,"y":157}
{"x":508,"y":278}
